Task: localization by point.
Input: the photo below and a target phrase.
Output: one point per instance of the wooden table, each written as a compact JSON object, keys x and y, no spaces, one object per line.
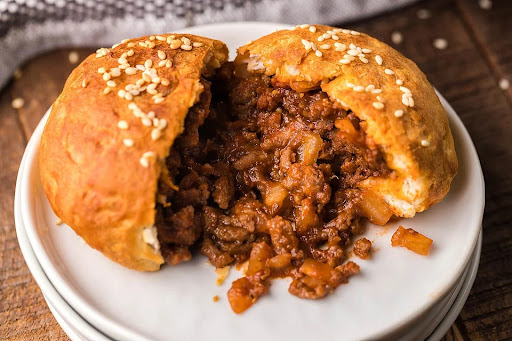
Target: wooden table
{"x":467,"y":73}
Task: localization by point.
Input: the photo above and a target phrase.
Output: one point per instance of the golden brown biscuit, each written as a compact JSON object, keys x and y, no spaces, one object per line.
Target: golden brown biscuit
{"x":105,"y":141}
{"x":397,"y":105}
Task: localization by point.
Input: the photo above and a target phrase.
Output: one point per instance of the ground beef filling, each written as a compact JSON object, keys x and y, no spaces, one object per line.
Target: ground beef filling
{"x":270,"y":177}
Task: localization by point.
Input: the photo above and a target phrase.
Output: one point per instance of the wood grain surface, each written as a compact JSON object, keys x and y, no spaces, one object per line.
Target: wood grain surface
{"x":467,"y":73}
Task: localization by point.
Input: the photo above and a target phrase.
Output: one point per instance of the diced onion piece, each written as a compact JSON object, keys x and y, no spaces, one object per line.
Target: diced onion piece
{"x":275,"y":195}
{"x":374,"y":208}
{"x":313,"y":143}
{"x":260,"y":253}
{"x":280,"y":261}
{"x":317,"y":270}
{"x":412,"y":240}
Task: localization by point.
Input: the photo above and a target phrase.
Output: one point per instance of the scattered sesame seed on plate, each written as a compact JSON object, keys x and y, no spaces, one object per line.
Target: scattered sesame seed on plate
{"x":423,"y":14}
{"x":504,"y":84}
{"x":440,"y":43}
{"x":73,"y":57}
{"x":485,"y":4}
{"x":18,"y":103}
{"x":396,"y":37}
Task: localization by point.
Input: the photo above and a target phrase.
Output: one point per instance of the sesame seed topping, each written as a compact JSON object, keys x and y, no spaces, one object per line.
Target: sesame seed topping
{"x":146,"y":77}
{"x":160,"y":38}
{"x":397,"y":37}
{"x":335,"y":37}
{"x":318,"y":53}
{"x":159,"y":100}
{"x":115,"y":45}
{"x":125,"y":41}
{"x":399,"y":113}
{"x":358,"y":88}
{"x":399,"y":82}
{"x":186,"y":47}
{"x":175,"y":44}
{"x":425,"y":143}
{"x":162,"y":124}
{"x":155,"y":134}
{"x":364,"y":60}
{"x":404,"y":89}
{"x":142,"y":44}
{"x":147,"y":122}
{"x":130,"y":44}
{"x":111,"y":84}
{"x":355,"y":33}
{"x":149,"y":154}
{"x":378,"y":105}
{"x":380,"y":99}
{"x":162,"y":63}
{"x":140,"y":67}
{"x":155,"y":80}
{"x":165,"y":82}
{"x":122,"y":124}
{"x":122,"y":60}
{"x":353,"y":52}
{"x":128,"y":96}
{"x":106,"y":76}
{"x":321,"y":38}
{"x":121,"y":93}
{"x":423,"y":14}
{"x":344,"y":61}
{"x":369,"y":88}
{"x":130,"y":53}
{"x":440,"y":43}
{"x":161,"y":54}
{"x":131,"y":71}
{"x":115,"y":72}
{"x":350,"y":85}
{"x":185,"y":40}
{"x":102,"y":70}
{"x":345,"y":31}
{"x":152,"y":38}
{"x":376,"y":91}
{"x":18,"y":103}
{"x":325,"y":46}
{"x":337,"y":30}
{"x":151,"y":89}
{"x":312,"y":29}
{"x":128,"y":142}
{"x":84,"y":83}
{"x":504,"y":84}
{"x":144,"y":162}
{"x":304,"y":26}
{"x":389,"y":72}
{"x":378,"y":59}
{"x":106,"y":90}
{"x":366,"y":50}
{"x":148,"y":63}
{"x":124,"y":66}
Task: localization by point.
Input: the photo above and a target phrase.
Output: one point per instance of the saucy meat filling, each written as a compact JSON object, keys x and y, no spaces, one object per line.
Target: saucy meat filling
{"x":270,"y":177}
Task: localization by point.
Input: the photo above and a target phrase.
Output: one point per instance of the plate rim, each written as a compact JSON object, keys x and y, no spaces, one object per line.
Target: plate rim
{"x":114,"y":328}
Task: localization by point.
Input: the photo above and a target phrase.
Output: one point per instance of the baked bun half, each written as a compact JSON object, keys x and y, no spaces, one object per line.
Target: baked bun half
{"x":398,"y":108}
{"x":109,"y":133}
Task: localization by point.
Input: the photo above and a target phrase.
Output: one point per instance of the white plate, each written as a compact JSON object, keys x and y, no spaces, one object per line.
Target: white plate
{"x":393,"y":289}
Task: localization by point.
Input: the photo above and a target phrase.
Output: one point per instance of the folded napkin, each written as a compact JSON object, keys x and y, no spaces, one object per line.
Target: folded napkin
{"x":29,"y":27}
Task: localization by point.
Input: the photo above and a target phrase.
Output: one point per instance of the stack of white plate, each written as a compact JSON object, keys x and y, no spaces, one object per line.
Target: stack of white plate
{"x":398,"y":295}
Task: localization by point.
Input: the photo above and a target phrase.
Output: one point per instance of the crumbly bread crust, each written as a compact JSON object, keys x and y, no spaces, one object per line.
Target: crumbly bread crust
{"x":398,"y":107}
{"x":102,"y":151}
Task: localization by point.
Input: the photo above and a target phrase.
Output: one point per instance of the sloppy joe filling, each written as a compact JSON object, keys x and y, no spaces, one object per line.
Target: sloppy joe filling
{"x":270,"y":175}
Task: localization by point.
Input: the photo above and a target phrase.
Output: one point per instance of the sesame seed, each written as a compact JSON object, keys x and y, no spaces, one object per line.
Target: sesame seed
{"x":350,"y":85}
{"x":325,"y":46}
{"x":148,"y":63}
{"x":146,"y":121}
{"x":358,"y":88}
{"x":380,"y":99}
{"x":102,"y":70}
{"x":378,"y":105}
{"x":162,"y":124}
{"x":146,"y":77}
{"x":140,"y":67}
{"x":128,"y":96}
{"x":399,"y":113}
{"x":423,"y":14}
{"x":106,"y":90}
{"x":185,"y":40}
{"x":135,"y":92}
{"x":122,"y":60}
{"x":485,"y":4}
{"x":336,"y":30}
{"x":318,"y":53}
{"x":186,"y":47}
{"x":344,"y":30}
{"x":122,"y":124}
{"x":366,"y":50}
{"x":124,"y":66}
{"x":175,"y":44}
{"x":405,"y":101}
{"x":144,"y":162}
{"x":369,"y":88}
{"x":115,"y":72}
{"x":399,"y":82}
{"x":162,"y":63}
{"x":349,"y":57}
{"x":121,"y":93}
{"x":355,"y":33}
{"x":335,"y":37}
{"x":304,"y":26}
{"x":160,"y":38}
{"x":152,"y":38}
{"x":425,"y":143}
{"x":130,"y":53}
{"x":389,"y":72}
{"x":84,"y":83}
{"x":440,"y":43}
{"x":128,"y":142}
{"x":352,"y":46}
{"x":155,"y":134}
{"x":106,"y":76}
{"x":150,"y":44}
{"x":125,"y":41}
{"x":161,"y":54}
{"x":18,"y":103}
{"x":321,"y":38}
{"x":111,"y":84}
{"x":149,"y":154}
{"x":165,"y":82}
{"x":131,"y":71}
{"x":344,"y":61}
{"x":151,"y":89}
{"x":130,"y":44}
{"x":353,"y":52}
{"x":378,"y":59}
{"x":404,"y":89}
{"x":115,"y":45}
{"x":504,"y":84}
{"x":73,"y":57}
{"x":312,"y":29}
{"x":155,"y":80}
{"x":159,"y":100}
{"x":364,"y":60}
{"x":397,"y":37}
{"x":376,"y":91}
{"x":142,"y":44}
{"x":139,"y":82}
